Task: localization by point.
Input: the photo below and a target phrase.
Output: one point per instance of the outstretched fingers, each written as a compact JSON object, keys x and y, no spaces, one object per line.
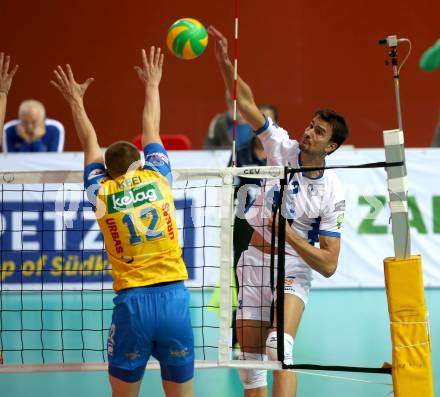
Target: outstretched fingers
{"x":59,"y":83}
{"x":151,"y":57}
{"x":56,"y":85}
{"x":62,"y":75}
{"x":13,"y":71}
{"x":65,"y":83}
{"x":59,"y":78}
{"x":6,"y":65}
{"x":152,"y":62}
{"x":144,"y":59}
{"x":221,"y":43}
{"x":70,"y":73}
{"x":86,"y":83}
{"x":138,"y":70}
{"x":216,"y":33}
{"x":157,"y":56}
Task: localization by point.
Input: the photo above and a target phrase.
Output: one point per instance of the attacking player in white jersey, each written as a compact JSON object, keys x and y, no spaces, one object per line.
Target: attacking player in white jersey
{"x":314,"y":208}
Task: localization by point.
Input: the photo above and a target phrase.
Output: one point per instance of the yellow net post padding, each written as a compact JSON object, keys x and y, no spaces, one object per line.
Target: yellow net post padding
{"x":410,"y":336}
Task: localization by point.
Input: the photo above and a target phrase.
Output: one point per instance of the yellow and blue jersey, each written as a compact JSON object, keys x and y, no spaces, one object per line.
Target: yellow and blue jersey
{"x":136,"y":215}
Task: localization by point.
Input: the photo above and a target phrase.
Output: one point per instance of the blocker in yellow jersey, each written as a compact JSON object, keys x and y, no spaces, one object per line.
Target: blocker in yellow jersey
{"x":134,"y":212}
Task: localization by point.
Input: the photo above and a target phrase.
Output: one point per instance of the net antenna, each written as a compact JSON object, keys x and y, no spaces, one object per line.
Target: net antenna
{"x":234,"y":93}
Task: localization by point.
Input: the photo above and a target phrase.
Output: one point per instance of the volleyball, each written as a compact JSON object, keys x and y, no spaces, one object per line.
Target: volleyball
{"x":187,"y":38}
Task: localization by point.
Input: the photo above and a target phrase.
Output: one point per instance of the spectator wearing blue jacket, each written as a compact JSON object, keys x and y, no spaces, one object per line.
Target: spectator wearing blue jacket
{"x":32,"y":131}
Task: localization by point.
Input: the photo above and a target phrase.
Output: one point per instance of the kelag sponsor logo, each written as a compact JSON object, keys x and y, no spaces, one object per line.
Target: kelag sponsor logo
{"x":133,"y":198}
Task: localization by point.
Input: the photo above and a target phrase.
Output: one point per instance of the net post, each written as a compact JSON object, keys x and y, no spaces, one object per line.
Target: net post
{"x":410,"y":336}
{"x":398,"y":192}
{"x":226,"y":255}
{"x":412,"y":367}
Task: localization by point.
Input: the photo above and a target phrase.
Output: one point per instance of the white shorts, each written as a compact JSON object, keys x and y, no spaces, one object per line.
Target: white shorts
{"x":255,"y":296}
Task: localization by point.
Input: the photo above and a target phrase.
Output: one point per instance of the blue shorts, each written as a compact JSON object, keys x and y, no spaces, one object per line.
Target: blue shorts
{"x":151,"y":321}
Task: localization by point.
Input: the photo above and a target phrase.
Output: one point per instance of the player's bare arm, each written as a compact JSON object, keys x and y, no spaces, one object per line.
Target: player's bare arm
{"x":245,"y":99}
{"x":73,"y":93}
{"x":324,"y":259}
{"x":6,"y":77}
{"x":150,"y":74}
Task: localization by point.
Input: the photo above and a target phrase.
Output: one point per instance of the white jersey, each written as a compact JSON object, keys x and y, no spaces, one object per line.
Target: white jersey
{"x":313,"y":206}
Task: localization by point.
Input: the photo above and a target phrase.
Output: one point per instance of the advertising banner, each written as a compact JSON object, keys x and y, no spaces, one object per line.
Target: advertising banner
{"x":50,"y":238}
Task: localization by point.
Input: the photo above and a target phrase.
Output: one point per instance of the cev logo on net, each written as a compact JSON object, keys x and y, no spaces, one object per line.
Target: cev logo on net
{"x":133,"y":198}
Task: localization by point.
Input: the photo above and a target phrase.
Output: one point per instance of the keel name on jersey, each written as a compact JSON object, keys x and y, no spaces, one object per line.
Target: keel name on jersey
{"x":136,"y":215}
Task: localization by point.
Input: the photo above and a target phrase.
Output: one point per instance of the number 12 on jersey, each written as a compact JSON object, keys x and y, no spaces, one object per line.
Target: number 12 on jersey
{"x":151,"y":233}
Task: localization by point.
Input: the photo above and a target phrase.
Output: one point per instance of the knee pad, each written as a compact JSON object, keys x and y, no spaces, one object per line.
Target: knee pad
{"x":253,"y":378}
{"x":272,"y":345}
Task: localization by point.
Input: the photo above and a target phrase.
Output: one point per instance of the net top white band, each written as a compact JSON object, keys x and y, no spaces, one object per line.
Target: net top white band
{"x":178,"y":174}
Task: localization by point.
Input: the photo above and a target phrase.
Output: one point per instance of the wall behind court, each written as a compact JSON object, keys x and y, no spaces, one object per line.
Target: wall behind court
{"x":297,"y":54}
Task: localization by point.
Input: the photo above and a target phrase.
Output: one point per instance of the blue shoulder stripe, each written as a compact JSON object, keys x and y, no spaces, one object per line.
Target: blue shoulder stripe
{"x":156,"y":159}
{"x":330,"y":234}
{"x":264,"y":127}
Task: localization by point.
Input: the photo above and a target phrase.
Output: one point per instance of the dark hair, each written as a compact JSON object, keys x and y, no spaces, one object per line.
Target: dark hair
{"x":338,"y":124}
{"x":271,"y":107}
{"x":119,"y":156}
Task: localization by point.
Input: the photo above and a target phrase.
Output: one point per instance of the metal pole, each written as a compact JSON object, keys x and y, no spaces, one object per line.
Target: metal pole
{"x":397,"y":176}
{"x":397,"y":92}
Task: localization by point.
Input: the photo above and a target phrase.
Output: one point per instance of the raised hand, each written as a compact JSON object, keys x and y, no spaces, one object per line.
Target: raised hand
{"x":6,"y":76}
{"x":151,"y":71}
{"x":72,"y":91}
{"x":221,"y":44}
{"x":246,"y":102}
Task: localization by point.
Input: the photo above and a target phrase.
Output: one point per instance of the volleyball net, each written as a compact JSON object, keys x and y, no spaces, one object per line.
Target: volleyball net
{"x":56,"y":286}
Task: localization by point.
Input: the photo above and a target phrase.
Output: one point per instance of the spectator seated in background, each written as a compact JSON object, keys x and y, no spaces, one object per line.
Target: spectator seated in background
{"x":32,"y":131}
{"x":220,"y":129}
